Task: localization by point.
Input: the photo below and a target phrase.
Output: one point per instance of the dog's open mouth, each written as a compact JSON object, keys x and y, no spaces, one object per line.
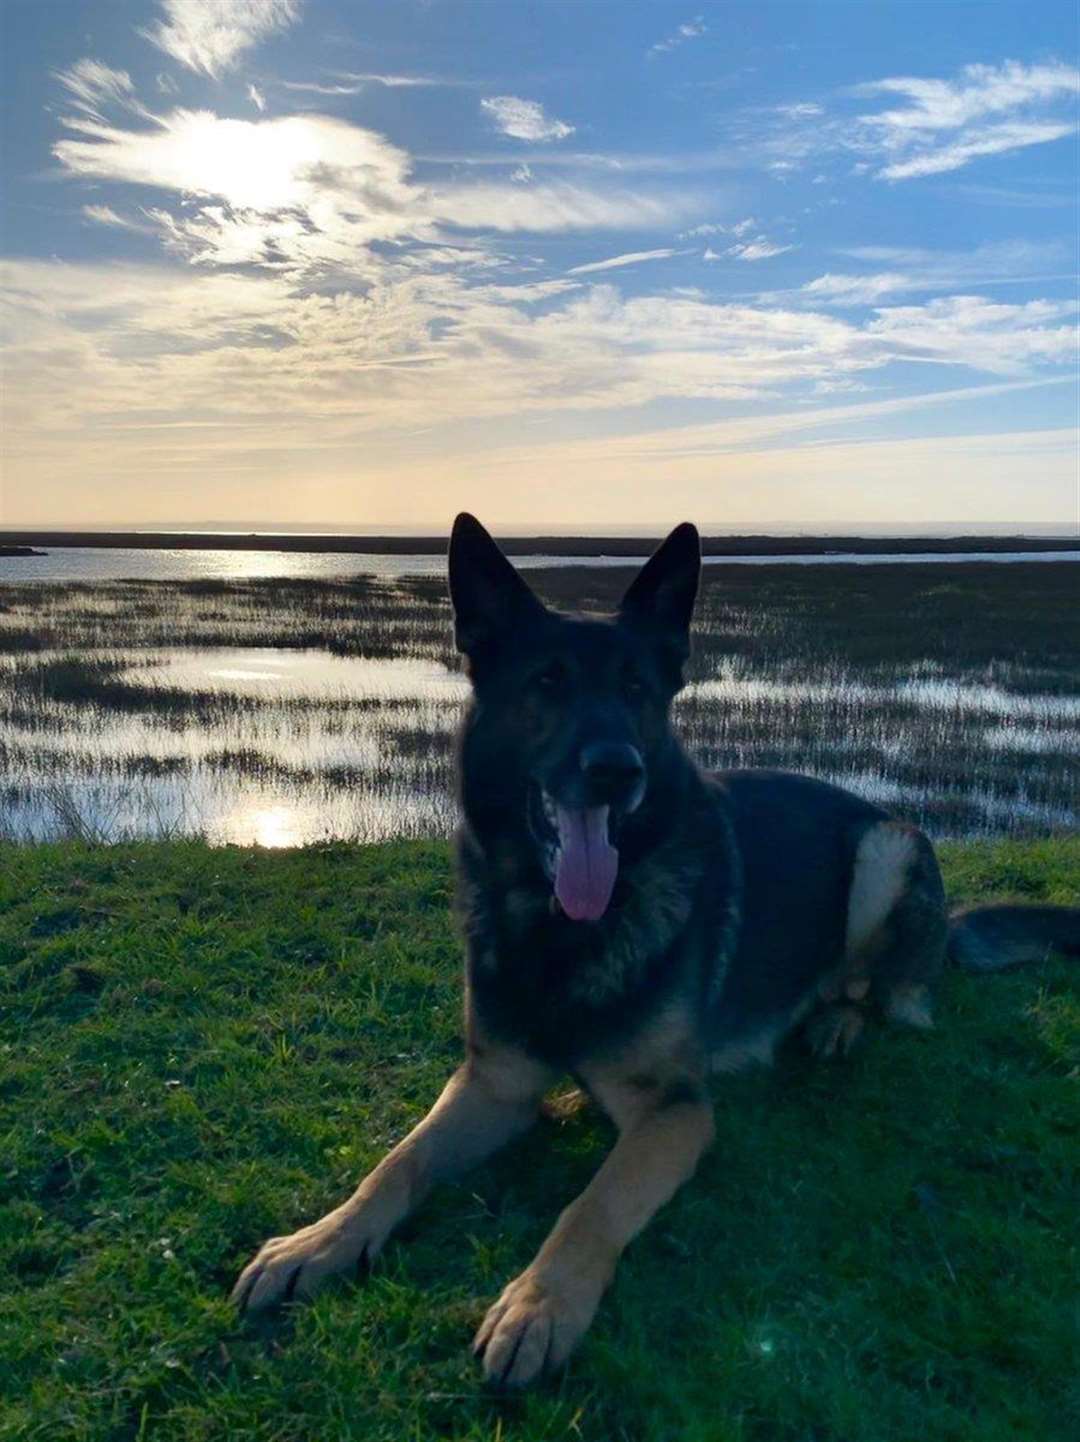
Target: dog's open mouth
{"x":580,"y":858}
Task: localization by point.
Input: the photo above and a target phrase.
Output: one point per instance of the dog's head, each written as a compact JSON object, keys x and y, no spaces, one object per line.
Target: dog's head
{"x":577,"y":708}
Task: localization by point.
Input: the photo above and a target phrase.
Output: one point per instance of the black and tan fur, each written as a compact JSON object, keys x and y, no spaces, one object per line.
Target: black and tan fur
{"x":747,"y":904}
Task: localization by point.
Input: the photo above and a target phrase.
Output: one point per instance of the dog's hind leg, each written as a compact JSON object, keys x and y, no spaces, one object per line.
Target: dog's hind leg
{"x":490,"y":1099}
{"x":896,"y":926}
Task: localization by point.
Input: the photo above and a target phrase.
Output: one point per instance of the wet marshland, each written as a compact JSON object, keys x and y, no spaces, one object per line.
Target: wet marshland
{"x":285,"y":711}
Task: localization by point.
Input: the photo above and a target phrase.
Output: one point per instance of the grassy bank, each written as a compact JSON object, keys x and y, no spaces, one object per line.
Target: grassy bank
{"x":201,"y":1048}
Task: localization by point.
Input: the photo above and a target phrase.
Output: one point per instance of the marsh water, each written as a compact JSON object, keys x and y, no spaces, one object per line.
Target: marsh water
{"x":287,"y":709}
{"x":115,"y":563}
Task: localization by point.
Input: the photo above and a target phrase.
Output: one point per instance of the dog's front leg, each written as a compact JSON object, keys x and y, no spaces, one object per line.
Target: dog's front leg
{"x":490,"y":1099}
{"x":544,"y":1313}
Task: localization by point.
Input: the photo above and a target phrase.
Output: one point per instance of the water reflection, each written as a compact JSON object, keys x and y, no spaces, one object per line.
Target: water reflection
{"x":107,"y":563}
{"x":149,"y":713}
{"x":315,"y":675}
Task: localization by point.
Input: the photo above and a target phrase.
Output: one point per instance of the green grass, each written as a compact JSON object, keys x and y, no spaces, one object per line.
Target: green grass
{"x":201,"y":1048}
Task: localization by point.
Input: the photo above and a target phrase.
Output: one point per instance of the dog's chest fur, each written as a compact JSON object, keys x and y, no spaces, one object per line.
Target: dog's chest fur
{"x":566,"y":990}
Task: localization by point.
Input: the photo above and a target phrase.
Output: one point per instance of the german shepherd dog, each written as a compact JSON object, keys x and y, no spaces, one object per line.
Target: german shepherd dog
{"x":636,"y":923}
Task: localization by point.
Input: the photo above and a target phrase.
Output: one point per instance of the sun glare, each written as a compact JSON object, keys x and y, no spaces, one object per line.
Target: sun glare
{"x":251,"y":165}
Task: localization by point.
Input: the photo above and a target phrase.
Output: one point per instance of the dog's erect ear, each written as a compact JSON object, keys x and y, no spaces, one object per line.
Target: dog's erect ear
{"x":662,"y":594}
{"x":490,"y":599}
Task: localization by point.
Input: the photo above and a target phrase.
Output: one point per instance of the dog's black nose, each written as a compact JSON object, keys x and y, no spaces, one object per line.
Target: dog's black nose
{"x":613,"y":769}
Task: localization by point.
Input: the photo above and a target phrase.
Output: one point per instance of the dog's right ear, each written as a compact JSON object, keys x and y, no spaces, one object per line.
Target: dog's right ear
{"x":490,"y":599}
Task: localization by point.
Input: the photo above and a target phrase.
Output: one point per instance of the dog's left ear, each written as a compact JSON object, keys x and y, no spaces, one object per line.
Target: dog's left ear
{"x":491,"y":602}
{"x":662,"y":594}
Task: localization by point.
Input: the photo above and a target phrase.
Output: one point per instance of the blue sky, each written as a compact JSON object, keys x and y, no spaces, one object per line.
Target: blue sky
{"x":565,"y":264}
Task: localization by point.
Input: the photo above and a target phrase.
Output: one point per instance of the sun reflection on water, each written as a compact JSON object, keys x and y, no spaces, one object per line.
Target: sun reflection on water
{"x":270,"y":826}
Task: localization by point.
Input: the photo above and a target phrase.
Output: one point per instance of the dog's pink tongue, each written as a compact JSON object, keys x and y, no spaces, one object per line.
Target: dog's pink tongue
{"x":587,"y":864}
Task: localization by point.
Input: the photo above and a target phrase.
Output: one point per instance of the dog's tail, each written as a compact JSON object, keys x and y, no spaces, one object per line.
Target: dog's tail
{"x":990,"y":938}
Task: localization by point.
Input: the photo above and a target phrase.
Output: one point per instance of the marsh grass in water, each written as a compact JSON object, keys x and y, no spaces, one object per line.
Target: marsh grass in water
{"x":203,"y":1047}
{"x":284,"y":711}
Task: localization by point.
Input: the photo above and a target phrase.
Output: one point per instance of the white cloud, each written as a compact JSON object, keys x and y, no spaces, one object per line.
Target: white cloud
{"x":994,"y":140}
{"x":348,"y":82}
{"x":318,"y":88}
{"x":545,"y":208}
{"x":257,"y":98}
{"x":91,"y":84}
{"x":981,"y":90}
{"x":261,"y":164}
{"x":211,"y":35}
{"x":760,"y":249}
{"x":689,"y":30}
{"x":738,"y":228}
{"x":209,"y":346}
{"x":309,"y":192}
{"x":856,"y":289}
{"x":917,"y":269}
{"x":938,"y":126}
{"x":986,"y":110}
{"x":803,"y":110}
{"x":397,"y":82}
{"x":969,"y":330}
{"x":617,"y":261}
{"x":105,"y":215}
{"x":126,"y":381}
{"x":525,"y":119}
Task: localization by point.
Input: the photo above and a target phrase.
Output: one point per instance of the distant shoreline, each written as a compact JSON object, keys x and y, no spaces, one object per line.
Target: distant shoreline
{"x":428,"y":545}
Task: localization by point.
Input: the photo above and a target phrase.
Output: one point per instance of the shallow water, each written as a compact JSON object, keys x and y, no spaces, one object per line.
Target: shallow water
{"x":88,"y":563}
{"x":131,"y":710}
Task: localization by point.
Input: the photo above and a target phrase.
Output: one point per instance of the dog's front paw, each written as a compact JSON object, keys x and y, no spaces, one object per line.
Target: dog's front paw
{"x":532,"y":1328}
{"x":297,"y":1265}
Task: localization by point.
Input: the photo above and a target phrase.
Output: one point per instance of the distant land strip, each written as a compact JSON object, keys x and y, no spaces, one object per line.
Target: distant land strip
{"x":763,"y":545}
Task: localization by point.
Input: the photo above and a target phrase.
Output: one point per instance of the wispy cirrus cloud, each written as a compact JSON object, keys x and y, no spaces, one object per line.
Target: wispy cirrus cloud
{"x":525,"y":119}
{"x":92,"y":85}
{"x":746,"y":245}
{"x":349,"y":82}
{"x":106,"y":215}
{"x":305,"y":192}
{"x":689,"y":30}
{"x":210,"y":35}
{"x":939,"y":125}
{"x":994,"y":140}
{"x":195,"y":346}
{"x":319,"y":87}
{"x":985,"y":110}
{"x":759,"y":249}
{"x":915,"y":269}
{"x":714,"y":227}
{"x":616,"y":262}
{"x":221,"y":372}
{"x":400,"y":82}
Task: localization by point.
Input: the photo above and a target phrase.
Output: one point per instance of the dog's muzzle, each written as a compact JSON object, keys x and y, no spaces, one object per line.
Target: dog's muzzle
{"x":576,"y":827}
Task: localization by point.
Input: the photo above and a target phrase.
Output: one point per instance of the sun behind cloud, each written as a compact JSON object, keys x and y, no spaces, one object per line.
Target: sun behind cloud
{"x":357,"y":269}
